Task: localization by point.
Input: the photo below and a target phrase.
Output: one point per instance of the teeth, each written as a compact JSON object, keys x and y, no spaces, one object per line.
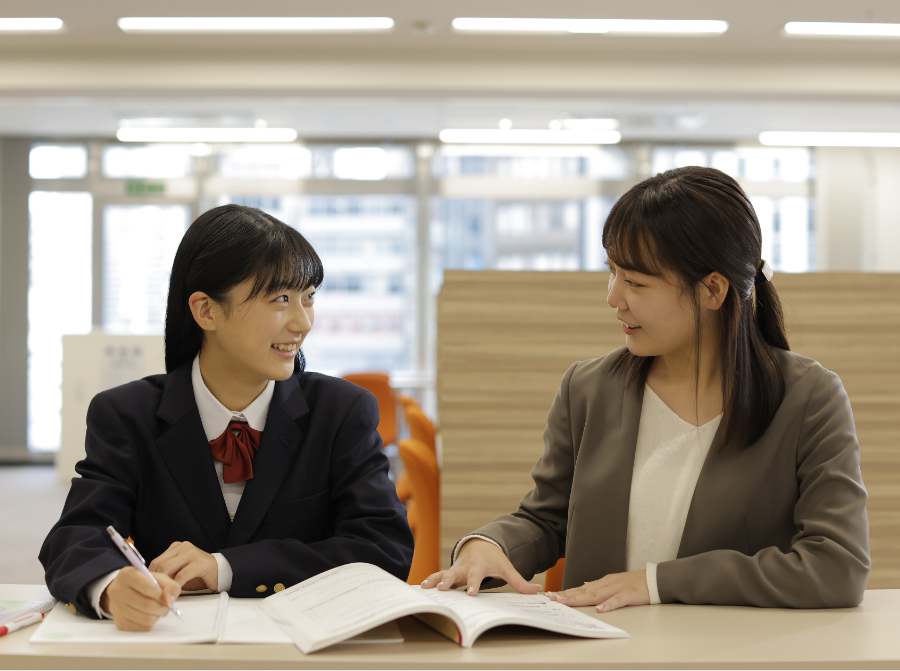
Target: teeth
{"x":285,"y":348}
{"x":630,"y":326}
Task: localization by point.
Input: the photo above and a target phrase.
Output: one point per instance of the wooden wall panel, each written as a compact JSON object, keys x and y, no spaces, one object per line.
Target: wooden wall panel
{"x":506,"y":338}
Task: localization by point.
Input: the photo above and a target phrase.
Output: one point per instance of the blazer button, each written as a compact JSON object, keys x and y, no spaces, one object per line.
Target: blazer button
{"x":71,"y":606}
{"x":261,"y":588}
{"x":278,"y":587}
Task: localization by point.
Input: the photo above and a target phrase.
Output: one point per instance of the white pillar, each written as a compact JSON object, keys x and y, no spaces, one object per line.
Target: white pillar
{"x":858,"y":209}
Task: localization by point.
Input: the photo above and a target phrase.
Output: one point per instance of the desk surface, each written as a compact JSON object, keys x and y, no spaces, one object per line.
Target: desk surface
{"x":669,"y":636}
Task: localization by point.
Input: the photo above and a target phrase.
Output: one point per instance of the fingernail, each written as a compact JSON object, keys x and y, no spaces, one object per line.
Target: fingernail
{"x":425,"y":582}
{"x":472,"y":590}
{"x":171,"y":600}
{"x":552,"y":595}
{"x":440,"y":583}
{"x":561,"y":599}
{"x":601,"y":608}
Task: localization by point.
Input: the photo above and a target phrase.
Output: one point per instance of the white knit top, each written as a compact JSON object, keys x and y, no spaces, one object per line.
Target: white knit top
{"x":667,"y":462}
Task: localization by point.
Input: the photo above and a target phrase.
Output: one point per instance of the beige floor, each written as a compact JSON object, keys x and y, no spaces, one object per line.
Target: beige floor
{"x":31,"y":499}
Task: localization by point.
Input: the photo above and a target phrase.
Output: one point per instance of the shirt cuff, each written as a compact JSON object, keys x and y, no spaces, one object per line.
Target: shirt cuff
{"x":466,"y":539}
{"x":95,"y":591}
{"x":226,"y":575}
{"x":651,"y":584}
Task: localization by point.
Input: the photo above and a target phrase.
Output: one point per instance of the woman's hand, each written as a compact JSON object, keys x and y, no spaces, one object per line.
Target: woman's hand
{"x":610,"y":592}
{"x":135,"y":602}
{"x":189,"y":566}
{"x":477,"y":560}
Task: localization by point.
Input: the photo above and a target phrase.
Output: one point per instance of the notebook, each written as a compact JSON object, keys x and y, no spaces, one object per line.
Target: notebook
{"x":204,"y":621}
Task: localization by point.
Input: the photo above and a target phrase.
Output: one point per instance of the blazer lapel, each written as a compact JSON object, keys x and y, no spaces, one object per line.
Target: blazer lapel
{"x":711,"y":493}
{"x":277,"y":449}
{"x":186,"y":452}
{"x":616,"y":489}
{"x":603,"y":482}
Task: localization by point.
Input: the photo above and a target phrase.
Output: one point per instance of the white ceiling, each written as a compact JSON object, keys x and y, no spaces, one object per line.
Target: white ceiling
{"x":421,"y":77}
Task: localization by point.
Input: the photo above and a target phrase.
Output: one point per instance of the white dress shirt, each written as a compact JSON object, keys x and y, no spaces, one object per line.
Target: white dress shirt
{"x":667,"y":462}
{"x":215,"y":418}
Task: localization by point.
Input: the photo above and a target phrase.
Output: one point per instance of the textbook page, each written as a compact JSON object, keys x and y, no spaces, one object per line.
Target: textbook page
{"x":493,"y":609}
{"x":343,"y":602}
{"x":204,"y":621}
{"x":247,"y":623}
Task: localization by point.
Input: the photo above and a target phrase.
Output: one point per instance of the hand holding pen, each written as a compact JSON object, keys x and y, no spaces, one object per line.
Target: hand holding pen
{"x":136,"y":603}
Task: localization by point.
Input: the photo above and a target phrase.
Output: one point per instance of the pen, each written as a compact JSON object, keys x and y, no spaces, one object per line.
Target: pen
{"x":133,"y":556}
{"x":23,"y":621}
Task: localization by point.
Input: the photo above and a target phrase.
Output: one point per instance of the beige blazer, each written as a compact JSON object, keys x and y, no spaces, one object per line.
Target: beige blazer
{"x":782,"y":523}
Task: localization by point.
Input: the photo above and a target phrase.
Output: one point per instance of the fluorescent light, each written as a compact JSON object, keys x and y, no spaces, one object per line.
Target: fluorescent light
{"x":827,"y":139}
{"x":633,"y":26}
{"x":824,"y":28}
{"x":528,"y":136}
{"x":31,"y":24}
{"x":194,"y":135}
{"x":590,"y":124}
{"x":250,"y":24}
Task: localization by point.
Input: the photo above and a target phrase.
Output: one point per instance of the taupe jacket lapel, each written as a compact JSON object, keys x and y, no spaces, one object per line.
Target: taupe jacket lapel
{"x":602,"y":485}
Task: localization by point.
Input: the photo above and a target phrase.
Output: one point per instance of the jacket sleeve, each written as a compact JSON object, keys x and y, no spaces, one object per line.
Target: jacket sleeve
{"x":828,"y":562}
{"x":369,"y":522}
{"x":534,"y":537}
{"x":78,"y":550}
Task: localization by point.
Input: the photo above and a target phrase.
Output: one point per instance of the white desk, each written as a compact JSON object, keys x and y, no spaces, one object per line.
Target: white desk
{"x":669,"y":636}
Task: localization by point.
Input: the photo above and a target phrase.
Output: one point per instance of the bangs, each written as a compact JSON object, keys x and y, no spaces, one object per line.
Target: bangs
{"x":287,"y":263}
{"x":629,"y":240}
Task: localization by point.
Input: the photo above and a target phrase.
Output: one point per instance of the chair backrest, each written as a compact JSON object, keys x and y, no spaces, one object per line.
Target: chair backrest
{"x":553,"y":578}
{"x":420,"y":463}
{"x":380,"y":385}
{"x":420,"y":427}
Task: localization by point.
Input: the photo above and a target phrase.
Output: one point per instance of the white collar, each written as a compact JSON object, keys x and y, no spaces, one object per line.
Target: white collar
{"x":215,"y":416}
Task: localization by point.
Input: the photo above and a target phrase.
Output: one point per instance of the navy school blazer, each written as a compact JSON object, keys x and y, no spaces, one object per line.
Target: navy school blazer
{"x":320,"y":495}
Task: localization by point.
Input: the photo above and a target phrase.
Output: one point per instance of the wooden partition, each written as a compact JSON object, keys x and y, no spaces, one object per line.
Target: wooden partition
{"x":506,"y":338}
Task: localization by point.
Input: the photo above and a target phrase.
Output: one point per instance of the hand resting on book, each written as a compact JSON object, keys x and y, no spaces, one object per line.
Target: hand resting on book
{"x":612,"y":591}
{"x":477,"y":560}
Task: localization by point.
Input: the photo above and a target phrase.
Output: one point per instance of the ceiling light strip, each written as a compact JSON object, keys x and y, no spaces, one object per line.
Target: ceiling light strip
{"x":527,"y":136}
{"x":249,"y":24}
{"x":598,"y":26}
{"x":828,"y":139}
{"x":193,"y":135}
{"x":831,"y":29}
{"x":37,"y":24}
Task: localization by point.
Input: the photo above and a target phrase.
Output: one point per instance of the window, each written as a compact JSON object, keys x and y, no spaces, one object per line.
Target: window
{"x":58,"y":161}
{"x":139,"y":245}
{"x":147,"y":162}
{"x":59,"y":301}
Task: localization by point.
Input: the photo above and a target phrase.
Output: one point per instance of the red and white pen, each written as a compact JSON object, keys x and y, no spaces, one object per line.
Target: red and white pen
{"x":23,"y":621}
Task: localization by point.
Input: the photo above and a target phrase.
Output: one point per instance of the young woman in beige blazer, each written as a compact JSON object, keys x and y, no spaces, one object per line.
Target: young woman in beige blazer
{"x":703,"y":463}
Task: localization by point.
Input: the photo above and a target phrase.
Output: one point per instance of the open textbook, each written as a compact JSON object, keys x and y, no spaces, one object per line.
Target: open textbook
{"x":347,"y":600}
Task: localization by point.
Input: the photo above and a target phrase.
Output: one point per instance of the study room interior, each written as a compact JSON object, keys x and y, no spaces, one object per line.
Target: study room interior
{"x":454,"y":168}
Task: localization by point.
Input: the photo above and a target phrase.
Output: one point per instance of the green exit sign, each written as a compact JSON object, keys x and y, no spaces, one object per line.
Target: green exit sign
{"x":142,"y":187}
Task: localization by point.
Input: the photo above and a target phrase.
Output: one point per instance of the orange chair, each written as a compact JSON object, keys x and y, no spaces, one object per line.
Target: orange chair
{"x":420,"y":462}
{"x":554,"y":576}
{"x":380,"y":385}
{"x":420,"y":427}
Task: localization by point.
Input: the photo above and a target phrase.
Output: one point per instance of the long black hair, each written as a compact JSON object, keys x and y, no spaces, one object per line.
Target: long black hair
{"x":224,"y":247}
{"x":693,"y":221}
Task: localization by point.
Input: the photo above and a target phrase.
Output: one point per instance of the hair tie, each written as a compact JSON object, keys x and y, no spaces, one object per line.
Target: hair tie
{"x":764,"y":274}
